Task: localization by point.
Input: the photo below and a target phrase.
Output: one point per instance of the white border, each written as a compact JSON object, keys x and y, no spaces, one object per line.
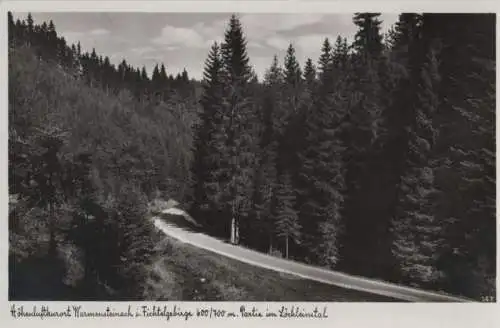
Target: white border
{"x":340,"y":314}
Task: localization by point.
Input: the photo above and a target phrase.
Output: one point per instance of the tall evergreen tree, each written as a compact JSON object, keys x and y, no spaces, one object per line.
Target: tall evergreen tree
{"x":406,"y":29}
{"x":368,"y":40}
{"x":293,"y":78}
{"x":322,"y":170}
{"x":144,"y":84}
{"x":309,"y":73}
{"x":265,"y":178}
{"x":340,"y":53}
{"x":11,"y":27}
{"x":156,"y":84}
{"x":210,"y":145}
{"x":466,"y":147}
{"x":290,"y":118}
{"x":285,"y":215}
{"x":365,"y":205}
{"x":240,"y":111}
{"x":418,"y":234}
{"x":30,"y":25}
{"x":240,"y":116}
{"x":163,"y":82}
{"x":325,"y":62}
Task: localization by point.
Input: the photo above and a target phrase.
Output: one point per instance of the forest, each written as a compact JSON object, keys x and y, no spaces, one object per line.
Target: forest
{"x":375,"y":159}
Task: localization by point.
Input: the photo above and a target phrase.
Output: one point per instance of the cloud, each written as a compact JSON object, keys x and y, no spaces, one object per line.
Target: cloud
{"x":312,"y":42}
{"x":72,"y":36}
{"x":277,"y":42}
{"x":258,"y":27}
{"x":255,"y":44}
{"x":99,"y":31}
{"x":142,"y":50}
{"x":172,"y":36}
{"x":266,"y":24}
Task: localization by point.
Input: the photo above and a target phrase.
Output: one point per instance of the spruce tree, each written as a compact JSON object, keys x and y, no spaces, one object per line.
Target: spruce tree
{"x":52,"y":41}
{"x":144,"y":85}
{"x":417,"y":231}
{"x":322,"y":171}
{"x":406,"y":30}
{"x":340,"y":53}
{"x":210,"y":145}
{"x":290,"y":118}
{"x":365,"y":204}
{"x":79,"y":49}
{"x":368,"y":40}
{"x":240,"y":123}
{"x":309,"y":73}
{"x":163,"y":83}
{"x":466,"y":148}
{"x":325,"y":62}
{"x":285,"y":215}
{"x":156,"y":83}
{"x":266,"y":173}
{"x":11,"y":27}
{"x":30,"y":25}
{"x":293,"y":78}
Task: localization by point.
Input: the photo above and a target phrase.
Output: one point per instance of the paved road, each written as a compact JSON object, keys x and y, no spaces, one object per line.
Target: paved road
{"x":203,"y":241}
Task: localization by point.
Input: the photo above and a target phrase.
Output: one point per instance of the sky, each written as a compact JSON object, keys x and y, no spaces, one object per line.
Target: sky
{"x":182,"y":40}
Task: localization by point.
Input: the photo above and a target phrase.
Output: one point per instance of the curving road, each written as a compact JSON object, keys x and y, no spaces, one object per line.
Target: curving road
{"x":291,"y":267}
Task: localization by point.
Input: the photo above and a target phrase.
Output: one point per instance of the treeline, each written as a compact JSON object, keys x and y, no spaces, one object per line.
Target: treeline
{"x":83,"y":164}
{"x":379,"y":160}
{"x":95,"y":69}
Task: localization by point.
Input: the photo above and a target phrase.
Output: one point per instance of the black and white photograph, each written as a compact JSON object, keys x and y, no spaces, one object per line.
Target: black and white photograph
{"x":251,"y":157}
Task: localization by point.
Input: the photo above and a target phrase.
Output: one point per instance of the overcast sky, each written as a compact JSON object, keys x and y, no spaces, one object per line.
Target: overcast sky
{"x":182,"y":40}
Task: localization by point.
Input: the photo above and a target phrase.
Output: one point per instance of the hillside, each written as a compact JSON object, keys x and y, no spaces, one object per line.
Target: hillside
{"x":82,"y":164}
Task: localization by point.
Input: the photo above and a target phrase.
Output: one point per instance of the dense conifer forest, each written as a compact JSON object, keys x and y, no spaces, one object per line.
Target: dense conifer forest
{"x":375,"y":159}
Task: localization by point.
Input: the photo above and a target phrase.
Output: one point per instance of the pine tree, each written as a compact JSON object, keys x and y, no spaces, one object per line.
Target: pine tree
{"x":240,"y":125}
{"x":209,"y":145}
{"x":309,"y":73}
{"x":340,"y":53}
{"x":285,"y":216}
{"x":156,"y":83}
{"x":52,"y":41}
{"x":368,"y":40}
{"x":322,"y":171}
{"x":288,"y":161}
{"x":417,"y":232}
{"x":406,"y":30}
{"x":293,"y":79}
{"x":466,"y":148}
{"x":79,"y":49}
{"x":144,"y":84}
{"x":48,"y":171}
{"x":366,"y":133}
{"x":164,"y":85}
{"x":399,"y":74}
{"x":11,"y":27}
{"x":265,"y":179}
{"x":30,"y":25}
{"x":325,"y":62}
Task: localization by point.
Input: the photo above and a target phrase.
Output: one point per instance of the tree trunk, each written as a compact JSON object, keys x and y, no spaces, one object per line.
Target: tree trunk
{"x":52,"y":238}
{"x":270,"y":243}
{"x":237,"y":231}
{"x":286,"y":247}
{"x":86,"y":252}
{"x":233,"y":229}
